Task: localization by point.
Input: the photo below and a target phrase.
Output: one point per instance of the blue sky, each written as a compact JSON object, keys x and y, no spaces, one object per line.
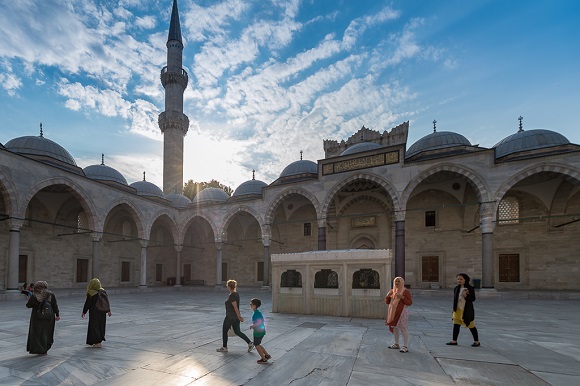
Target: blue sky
{"x":268,"y":78}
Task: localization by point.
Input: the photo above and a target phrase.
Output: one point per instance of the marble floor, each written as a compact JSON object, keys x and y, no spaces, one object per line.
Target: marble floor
{"x":170,"y":338}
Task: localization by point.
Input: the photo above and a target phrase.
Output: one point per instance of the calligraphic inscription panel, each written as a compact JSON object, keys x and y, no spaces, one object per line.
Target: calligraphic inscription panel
{"x":361,"y":222}
{"x":361,"y":163}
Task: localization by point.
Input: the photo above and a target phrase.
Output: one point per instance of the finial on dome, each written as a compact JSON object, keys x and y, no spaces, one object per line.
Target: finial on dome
{"x":143,"y":176}
{"x":521,"y":128}
{"x":253,"y":174}
{"x":301,"y":155}
{"x":434,"y":126}
{"x":41,"y":129}
{"x":102,"y":158}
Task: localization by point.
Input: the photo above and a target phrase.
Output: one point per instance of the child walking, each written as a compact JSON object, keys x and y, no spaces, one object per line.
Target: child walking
{"x":259,"y":330}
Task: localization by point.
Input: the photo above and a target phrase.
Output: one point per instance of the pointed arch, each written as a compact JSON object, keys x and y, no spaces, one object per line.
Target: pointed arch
{"x":278,"y":200}
{"x":79,"y":193}
{"x":476,"y":180}
{"x":172,"y":223}
{"x":8,"y":192}
{"x":243,"y":208}
{"x":135,"y":213}
{"x":187,"y":223}
{"x":360,"y":176}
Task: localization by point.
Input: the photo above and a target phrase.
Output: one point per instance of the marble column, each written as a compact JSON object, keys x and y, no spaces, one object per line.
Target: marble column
{"x":97,"y":252}
{"x":218,"y":247}
{"x":178,"y":249}
{"x":143,"y":280}
{"x":400,"y":244}
{"x":322,"y":235}
{"x":13,"y":254}
{"x":487,"y":218}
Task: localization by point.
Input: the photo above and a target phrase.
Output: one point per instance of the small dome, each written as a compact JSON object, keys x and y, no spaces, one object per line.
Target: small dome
{"x":528,"y":140}
{"x":104,"y":173}
{"x":40,"y":146}
{"x":178,"y":200}
{"x":300,"y":167}
{"x":360,"y":147}
{"x":145,"y":188}
{"x":437,"y":140}
{"x":249,"y":187}
{"x":211,"y":195}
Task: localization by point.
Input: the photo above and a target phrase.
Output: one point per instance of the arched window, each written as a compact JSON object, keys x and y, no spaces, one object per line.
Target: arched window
{"x":326,"y":278}
{"x":82,"y":222}
{"x":366,"y":278}
{"x":508,"y":211}
{"x":291,"y":278}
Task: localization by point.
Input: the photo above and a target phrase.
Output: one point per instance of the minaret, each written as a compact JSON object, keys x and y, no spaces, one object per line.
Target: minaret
{"x":172,"y":122}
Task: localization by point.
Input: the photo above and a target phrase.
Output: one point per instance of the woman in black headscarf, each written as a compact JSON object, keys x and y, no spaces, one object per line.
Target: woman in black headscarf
{"x":463,"y":311}
{"x":41,"y":328}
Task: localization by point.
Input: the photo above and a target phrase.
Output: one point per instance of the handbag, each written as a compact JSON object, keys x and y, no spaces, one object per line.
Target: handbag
{"x":102,"y":303}
{"x":44,"y":311}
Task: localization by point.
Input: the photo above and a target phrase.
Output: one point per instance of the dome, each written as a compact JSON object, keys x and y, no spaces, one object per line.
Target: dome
{"x":211,"y":195}
{"x":299,"y":167}
{"x":360,"y":147}
{"x":249,"y":187}
{"x":178,"y":200}
{"x":145,"y":188}
{"x":40,"y":146}
{"x":528,"y":140}
{"x":104,"y":173}
{"x":437,"y":140}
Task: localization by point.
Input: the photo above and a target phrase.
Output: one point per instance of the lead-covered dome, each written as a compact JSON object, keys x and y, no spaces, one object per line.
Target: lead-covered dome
{"x":300,"y":167}
{"x":103,"y":172}
{"x":40,"y":146}
{"x":437,"y":140}
{"x":147,"y":189}
{"x":529,"y":140}
{"x":249,"y":187}
{"x":211,"y":195}
{"x":360,"y":147}
{"x":178,"y":200}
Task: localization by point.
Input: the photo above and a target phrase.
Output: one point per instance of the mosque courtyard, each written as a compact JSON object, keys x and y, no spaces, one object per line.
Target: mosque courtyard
{"x":169,"y":336}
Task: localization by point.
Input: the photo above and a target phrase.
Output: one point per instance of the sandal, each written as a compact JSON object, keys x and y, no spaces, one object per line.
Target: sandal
{"x":451,"y":343}
{"x":476,"y":344}
{"x":404,"y":349}
{"x":394,"y":346}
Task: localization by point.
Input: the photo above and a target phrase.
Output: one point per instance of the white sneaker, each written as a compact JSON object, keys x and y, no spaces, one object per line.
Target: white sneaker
{"x":250,"y":346}
{"x":222,"y":349}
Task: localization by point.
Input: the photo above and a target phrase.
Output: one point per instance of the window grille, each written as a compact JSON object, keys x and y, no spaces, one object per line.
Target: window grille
{"x":509,"y":211}
{"x":366,"y":278}
{"x":291,"y":278}
{"x":326,"y":278}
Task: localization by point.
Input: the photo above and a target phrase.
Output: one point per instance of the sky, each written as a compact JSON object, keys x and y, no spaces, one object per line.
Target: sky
{"x":269,"y":78}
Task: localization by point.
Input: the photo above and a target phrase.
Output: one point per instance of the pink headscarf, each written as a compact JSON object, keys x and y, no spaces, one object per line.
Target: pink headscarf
{"x":397,"y":290}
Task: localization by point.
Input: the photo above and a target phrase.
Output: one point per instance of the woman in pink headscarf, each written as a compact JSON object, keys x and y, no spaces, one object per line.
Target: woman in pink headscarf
{"x":398,"y":299}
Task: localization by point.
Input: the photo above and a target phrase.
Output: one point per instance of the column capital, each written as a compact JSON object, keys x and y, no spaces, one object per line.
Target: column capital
{"x":487,"y":216}
{"x":96,"y":237}
{"x":144,"y":243}
{"x":15,"y":224}
{"x":400,"y":215}
{"x":321,"y":222}
{"x":178,"y":248}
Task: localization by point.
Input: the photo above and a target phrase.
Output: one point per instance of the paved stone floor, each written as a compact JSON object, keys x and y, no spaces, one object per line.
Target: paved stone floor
{"x":170,"y":338}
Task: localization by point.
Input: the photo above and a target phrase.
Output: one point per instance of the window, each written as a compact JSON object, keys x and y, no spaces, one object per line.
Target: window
{"x":509,"y":268}
{"x":82,"y":223}
{"x":366,"y":278}
{"x":158,"y":272}
{"x":326,"y":278}
{"x":307,"y":229}
{"x":430,"y":218}
{"x":508,"y":211}
{"x":82,"y":270}
{"x":125,"y":271}
{"x":430,"y":269}
{"x":260,"y":271}
{"x":291,"y":278}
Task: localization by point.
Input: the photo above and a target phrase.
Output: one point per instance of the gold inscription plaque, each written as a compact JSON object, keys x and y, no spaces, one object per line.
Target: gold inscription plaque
{"x":327,"y":169}
{"x":391,"y":157}
{"x":359,"y":222}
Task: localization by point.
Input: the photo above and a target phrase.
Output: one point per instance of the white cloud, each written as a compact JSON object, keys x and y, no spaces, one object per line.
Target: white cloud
{"x":10,"y":83}
{"x":146,"y":22}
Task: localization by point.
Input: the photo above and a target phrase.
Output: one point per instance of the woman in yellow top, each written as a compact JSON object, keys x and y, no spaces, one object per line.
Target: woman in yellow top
{"x":463,"y":311}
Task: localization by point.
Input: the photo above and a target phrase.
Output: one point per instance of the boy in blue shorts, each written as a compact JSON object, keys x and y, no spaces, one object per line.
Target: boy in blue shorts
{"x":259,"y":330}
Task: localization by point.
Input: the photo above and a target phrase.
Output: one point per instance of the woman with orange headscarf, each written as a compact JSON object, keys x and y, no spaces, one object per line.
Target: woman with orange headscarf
{"x":398,"y":299}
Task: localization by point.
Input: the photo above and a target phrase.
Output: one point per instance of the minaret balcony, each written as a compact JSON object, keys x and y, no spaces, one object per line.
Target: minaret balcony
{"x":168,"y":77}
{"x":173,"y":120}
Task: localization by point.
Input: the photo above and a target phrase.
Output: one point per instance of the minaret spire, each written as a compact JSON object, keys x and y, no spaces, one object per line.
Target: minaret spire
{"x":172,"y":122}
